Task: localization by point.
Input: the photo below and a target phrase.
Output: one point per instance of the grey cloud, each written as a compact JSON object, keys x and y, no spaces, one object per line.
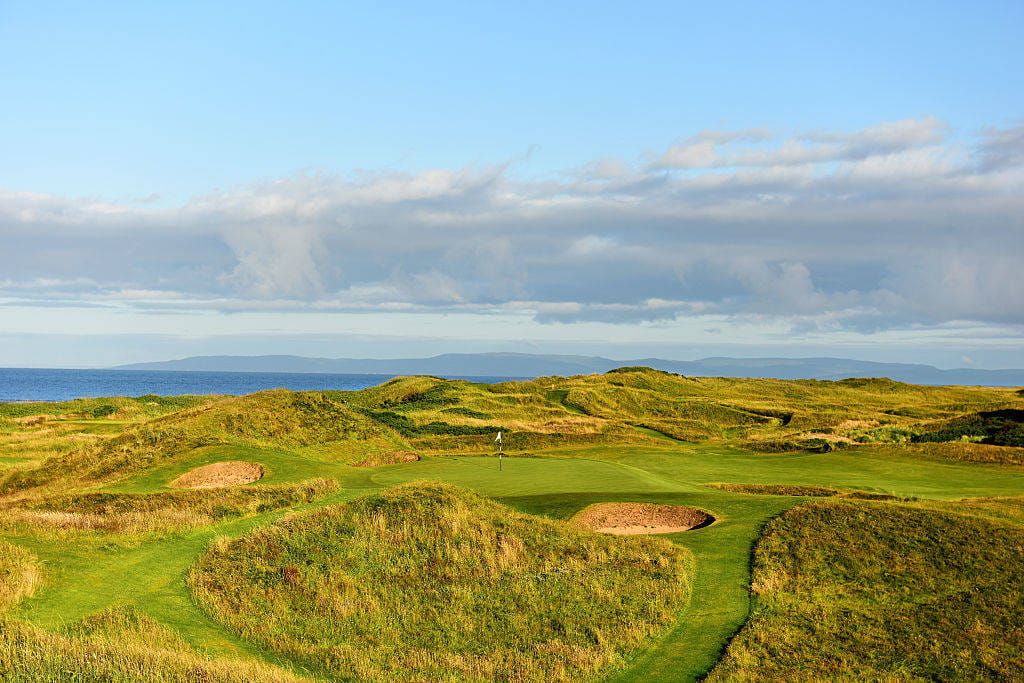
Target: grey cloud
{"x":1001,"y":149}
{"x":886,"y":226}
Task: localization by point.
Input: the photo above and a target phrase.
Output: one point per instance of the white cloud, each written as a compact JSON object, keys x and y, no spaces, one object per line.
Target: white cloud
{"x":885,"y":227}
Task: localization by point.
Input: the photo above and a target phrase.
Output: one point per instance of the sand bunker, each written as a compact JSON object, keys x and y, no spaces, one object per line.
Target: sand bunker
{"x":219,"y":474}
{"x":641,"y":518}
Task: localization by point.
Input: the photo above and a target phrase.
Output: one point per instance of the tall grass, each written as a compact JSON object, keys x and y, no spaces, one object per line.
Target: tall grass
{"x":124,"y":649}
{"x":883,"y":592}
{"x":136,"y":513}
{"x":269,"y":418}
{"x":429,"y":582}
{"x":19,"y":574}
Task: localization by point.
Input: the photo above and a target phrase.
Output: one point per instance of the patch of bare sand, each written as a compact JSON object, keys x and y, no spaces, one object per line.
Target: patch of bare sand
{"x":641,"y":518}
{"x":388,"y":458}
{"x":219,"y":474}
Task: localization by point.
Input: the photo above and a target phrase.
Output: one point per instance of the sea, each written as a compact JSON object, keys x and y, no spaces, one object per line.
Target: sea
{"x":39,"y":384}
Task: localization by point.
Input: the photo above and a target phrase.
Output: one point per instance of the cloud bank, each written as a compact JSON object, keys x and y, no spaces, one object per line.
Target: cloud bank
{"x":896,"y":225}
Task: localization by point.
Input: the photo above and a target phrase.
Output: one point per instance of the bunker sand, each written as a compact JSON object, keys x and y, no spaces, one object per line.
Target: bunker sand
{"x":219,"y":474}
{"x":628,"y":519}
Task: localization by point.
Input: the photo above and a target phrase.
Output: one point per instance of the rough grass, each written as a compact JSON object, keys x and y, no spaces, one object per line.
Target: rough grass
{"x":132,"y":513}
{"x":430,"y":582}
{"x":590,"y":409}
{"x":883,"y":592}
{"x":19,"y":575}
{"x":966,"y":452}
{"x":116,"y":646}
{"x":802,"y":490}
{"x":777,"y":489}
{"x":388,"y":458}
{"x":268,"y":418}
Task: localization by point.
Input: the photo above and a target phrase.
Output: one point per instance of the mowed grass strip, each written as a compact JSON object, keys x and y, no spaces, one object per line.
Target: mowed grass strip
{"x":427,"y":581}
{"x":883,"y":592}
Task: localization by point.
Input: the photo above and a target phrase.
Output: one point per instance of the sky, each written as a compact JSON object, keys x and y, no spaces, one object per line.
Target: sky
{"x":625,"y":179}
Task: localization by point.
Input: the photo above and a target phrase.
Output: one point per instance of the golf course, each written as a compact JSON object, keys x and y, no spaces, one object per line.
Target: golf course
{"x":634,"y":525}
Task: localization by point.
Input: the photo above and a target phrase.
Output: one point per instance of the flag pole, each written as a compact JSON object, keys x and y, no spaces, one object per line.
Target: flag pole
{"x":499,"y":450}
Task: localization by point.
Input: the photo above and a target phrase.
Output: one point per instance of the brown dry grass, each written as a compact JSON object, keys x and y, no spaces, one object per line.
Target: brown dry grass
{"x":220,"y":474}
{"x":858,"y":424}
{"x":33,"y":419}
{"x":388,"y":458}
{"x":640,"y":518}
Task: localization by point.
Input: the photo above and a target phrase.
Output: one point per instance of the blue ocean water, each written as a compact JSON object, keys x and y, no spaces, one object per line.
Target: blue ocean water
{"x":32,"y":384}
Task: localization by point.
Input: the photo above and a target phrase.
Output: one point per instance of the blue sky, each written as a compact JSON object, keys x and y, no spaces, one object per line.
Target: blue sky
{"x":673,"y":177}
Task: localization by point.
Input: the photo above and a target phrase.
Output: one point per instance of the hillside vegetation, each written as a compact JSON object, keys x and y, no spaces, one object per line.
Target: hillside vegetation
{"x":333,"y":542}
{"x":425,"y":414}
{"x":307,"y":421}
{"x":883,"y":592}
{"x":19,"y":575}
{"x":128,"y":513}
{"x":639,"y":405}
{"x":430,"y":582}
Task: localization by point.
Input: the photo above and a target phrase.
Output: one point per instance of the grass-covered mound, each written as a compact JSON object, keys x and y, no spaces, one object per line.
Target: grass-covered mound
{"x":882,"y":592}
{"x":118,"y":645}
{"x":277,"y":418}
{"x":644,"y":405}
{"x":163,"y":511}
{"x":111,"y":407}
{"x":427,"y":581}
{"x":19,"y":574}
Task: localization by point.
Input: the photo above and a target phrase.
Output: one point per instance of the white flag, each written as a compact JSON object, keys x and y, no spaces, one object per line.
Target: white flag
{"x":498,"y":438}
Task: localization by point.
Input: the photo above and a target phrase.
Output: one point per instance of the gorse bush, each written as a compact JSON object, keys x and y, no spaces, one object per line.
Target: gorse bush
{"x":996,"y":427}
{"x":430,"y":582}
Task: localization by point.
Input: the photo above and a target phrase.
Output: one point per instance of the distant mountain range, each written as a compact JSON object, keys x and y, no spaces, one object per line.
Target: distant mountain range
{"x":537,"y":365}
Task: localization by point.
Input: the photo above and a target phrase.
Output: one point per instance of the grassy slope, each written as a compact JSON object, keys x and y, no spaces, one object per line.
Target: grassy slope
{"x":429,"y":581}
{"x":117,"y":646}
{"x":874,"y":590}
{"x":625,"y":462}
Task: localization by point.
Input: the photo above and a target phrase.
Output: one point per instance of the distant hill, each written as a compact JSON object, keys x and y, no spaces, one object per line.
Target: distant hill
{"x":537,"y":365}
